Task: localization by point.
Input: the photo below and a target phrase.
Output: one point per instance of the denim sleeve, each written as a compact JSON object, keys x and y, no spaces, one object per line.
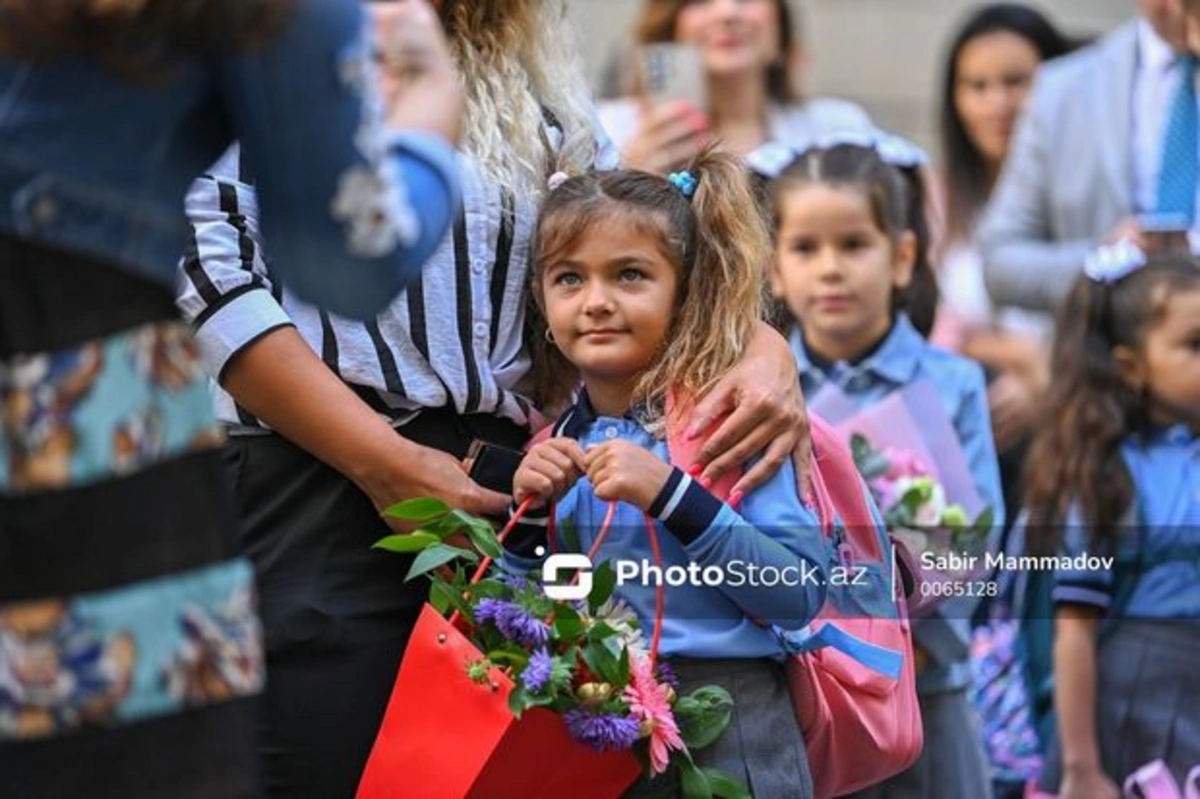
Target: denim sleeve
{"x":350,"y":209}
{"x":774,"y":530}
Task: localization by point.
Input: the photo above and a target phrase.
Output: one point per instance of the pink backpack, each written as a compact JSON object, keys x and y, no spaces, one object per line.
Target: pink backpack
{"x":852,"y":677}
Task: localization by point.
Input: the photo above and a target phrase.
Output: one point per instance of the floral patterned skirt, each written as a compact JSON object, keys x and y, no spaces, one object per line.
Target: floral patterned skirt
{"x":130,"y":650}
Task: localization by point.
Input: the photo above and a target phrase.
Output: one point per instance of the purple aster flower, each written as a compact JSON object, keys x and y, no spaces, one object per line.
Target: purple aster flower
{"x":491,"y":610}
{"x":667,"y":675}
{"x":602,"y":731}
{"x":513,"y":621}
{"x":537,"y":671}
{"x":523,"y":628}
{"x":514,"y":581}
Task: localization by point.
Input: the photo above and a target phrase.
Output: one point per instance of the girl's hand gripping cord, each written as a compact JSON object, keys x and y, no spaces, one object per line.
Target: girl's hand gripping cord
{"x":548,"y":471}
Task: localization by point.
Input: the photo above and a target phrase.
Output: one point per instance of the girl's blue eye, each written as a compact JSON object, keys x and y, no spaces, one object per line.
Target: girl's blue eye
{"x":632,"y":274}
{"x":567,"y":279}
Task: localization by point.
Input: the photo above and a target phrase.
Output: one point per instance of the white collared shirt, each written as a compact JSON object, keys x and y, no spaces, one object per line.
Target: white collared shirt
{"x":1155,"y":83}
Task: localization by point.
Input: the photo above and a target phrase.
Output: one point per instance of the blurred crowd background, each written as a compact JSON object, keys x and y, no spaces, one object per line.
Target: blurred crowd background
{"x":849,"y":48}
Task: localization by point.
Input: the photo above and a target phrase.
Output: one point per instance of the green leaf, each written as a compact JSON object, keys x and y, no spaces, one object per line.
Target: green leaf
{"x":601,"y":662}
{"x":420,"y":510}
{"x":600,"y":631}
{"x":435,"y":556}
{"x":986,"y":520}
{"x":725,"y":786}
{"x":567,"y":624}
{"x":489,"y":588}
{"x":442,"y":526}
{"x":708,"y":718}
{"x":413,"y":542}
{"x":517,"y":700}
{"x":444,"y":596}
{"x":511,"y":655}
{"x":694,"y":782}
{"x":623,"y":667}
{"x":439,"y":602}
{"x":485,"y":540}
{"x":604,"y":580}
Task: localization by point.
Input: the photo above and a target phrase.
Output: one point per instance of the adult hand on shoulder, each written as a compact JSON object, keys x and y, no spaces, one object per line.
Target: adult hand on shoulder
{"x":765,"y":413}
{"x":420,"y":85}
{"x":414,"y":471}
{"x":668,"y":137}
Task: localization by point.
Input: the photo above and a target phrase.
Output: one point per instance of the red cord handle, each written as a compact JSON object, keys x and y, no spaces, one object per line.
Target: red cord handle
{"x":605,"y":528}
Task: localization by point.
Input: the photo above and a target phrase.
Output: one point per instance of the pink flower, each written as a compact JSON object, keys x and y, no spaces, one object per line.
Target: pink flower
{"x":903,"y":463}
{"x":649,"y":702}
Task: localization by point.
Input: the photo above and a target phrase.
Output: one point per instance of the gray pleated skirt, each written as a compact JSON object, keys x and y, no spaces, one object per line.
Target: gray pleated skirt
{"x":1147,"y":701}
{"x":762,"y":746}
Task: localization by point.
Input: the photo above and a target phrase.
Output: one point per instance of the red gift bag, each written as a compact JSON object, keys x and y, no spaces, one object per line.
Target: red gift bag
{"x":444,"y":736}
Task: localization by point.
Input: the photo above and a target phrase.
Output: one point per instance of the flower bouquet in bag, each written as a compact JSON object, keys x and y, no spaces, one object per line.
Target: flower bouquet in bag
{"x":519,"y":695}
{"x":906,"y":449}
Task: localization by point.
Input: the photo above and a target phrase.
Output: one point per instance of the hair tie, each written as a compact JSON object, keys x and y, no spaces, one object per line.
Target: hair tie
{"x":684,"y":181}
{"x":1114,"y":262}
{"x":556,"y":180}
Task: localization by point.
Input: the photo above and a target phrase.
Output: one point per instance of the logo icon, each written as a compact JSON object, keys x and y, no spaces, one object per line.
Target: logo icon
{"x":568,"y":562}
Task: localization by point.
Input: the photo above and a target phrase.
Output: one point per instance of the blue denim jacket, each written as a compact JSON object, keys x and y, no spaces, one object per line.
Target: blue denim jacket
{"x":98,"y":165}
{"x":903,"y":358}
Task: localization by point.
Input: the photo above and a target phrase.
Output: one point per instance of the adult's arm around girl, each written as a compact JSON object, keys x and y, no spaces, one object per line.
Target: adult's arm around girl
{"x":352,"y":207}
{"x":766,"y":415}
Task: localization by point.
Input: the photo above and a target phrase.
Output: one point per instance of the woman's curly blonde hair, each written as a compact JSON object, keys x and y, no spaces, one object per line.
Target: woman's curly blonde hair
{"x":519,"y":65}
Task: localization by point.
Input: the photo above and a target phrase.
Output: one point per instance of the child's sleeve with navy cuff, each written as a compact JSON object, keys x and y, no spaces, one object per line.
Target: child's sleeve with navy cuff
{"x":1094,"y":588}
{"x":781,"y":533}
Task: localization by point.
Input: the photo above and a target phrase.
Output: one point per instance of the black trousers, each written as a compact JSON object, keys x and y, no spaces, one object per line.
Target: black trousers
{"x":337,"y":614}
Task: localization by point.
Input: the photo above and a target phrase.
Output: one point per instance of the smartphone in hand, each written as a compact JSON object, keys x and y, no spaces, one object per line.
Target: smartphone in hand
{"x":670,"y":71}
{"x":492,"y":466}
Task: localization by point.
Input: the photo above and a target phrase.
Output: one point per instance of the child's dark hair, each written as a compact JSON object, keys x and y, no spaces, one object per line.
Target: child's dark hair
{"x":897,"y":199}
{"x":1075,"y":459}
{"x":717,"y":240}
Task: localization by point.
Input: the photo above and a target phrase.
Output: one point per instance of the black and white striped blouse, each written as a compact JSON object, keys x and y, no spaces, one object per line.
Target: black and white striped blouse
{"x":455,"y":339}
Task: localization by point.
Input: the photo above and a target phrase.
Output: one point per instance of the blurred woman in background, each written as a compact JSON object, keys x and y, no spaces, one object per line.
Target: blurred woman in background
{"x":989,"y":71}
{"x":749,"y":51}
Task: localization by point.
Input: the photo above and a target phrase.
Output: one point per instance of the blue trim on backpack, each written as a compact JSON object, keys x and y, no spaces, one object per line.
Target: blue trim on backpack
{"x":886,"y":661}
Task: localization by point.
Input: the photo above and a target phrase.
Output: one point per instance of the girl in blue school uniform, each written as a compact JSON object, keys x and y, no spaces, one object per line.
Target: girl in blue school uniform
{"x":1115,"y":471}
{"x":649,"y":285}
{"x":850,"y":265}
